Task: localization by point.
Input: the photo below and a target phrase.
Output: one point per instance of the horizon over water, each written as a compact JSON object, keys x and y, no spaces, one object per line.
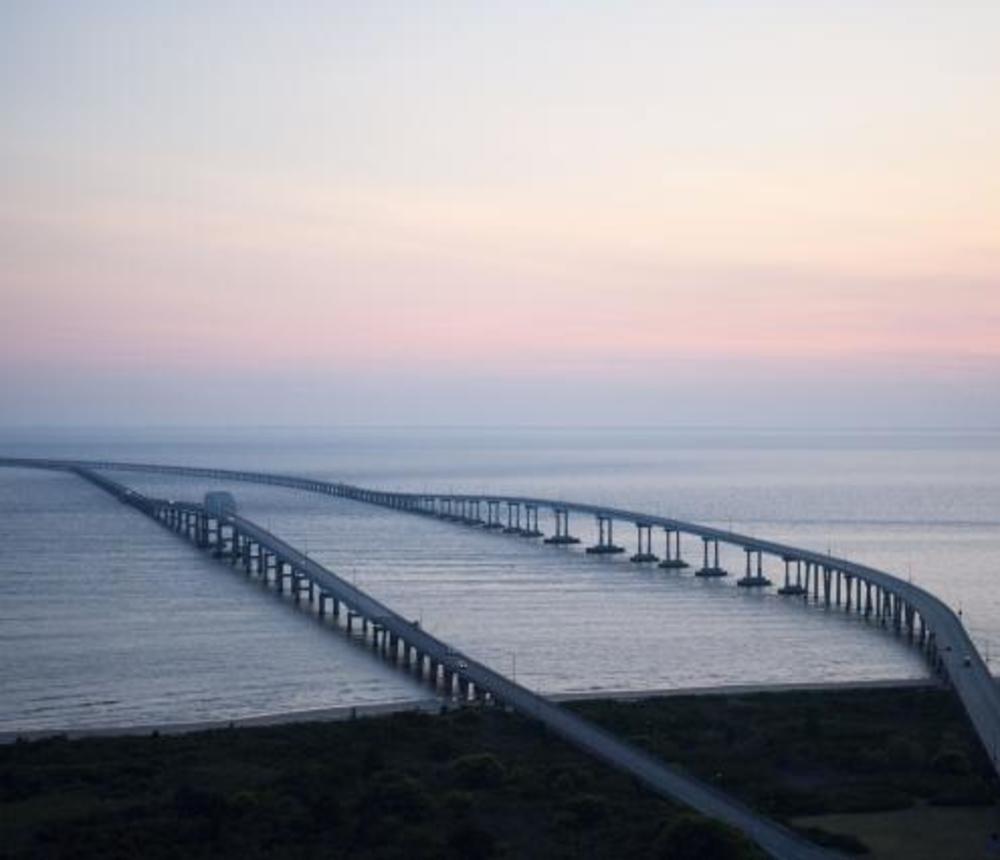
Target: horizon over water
{"x":106,"y":619}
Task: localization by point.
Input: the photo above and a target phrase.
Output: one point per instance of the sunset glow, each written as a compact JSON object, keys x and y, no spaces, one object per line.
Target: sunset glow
{"x":432,"y":199}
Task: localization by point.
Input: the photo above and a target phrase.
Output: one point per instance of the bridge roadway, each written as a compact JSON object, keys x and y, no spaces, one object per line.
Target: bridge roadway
{"x":948,"y":646}
{"x":194,"y":522}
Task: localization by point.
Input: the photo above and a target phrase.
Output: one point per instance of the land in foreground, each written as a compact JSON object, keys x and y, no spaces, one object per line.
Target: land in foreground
{"x":865,"y":770}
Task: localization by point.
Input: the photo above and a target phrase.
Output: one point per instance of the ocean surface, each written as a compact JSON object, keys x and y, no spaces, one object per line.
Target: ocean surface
{"x":106,"y":619}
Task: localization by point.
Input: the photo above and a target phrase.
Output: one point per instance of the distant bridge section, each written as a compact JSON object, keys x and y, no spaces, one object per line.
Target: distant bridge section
{"x":229,"y":536}
{"x":813,"y":577}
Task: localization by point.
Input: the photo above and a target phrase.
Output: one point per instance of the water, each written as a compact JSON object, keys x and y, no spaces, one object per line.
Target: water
{"x":106,"y":619}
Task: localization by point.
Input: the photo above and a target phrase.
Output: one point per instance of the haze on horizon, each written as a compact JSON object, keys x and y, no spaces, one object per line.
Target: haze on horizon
{"x":728,"y":213}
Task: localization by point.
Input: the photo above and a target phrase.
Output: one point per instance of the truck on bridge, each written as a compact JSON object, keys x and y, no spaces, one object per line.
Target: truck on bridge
{"x":220,"y":503}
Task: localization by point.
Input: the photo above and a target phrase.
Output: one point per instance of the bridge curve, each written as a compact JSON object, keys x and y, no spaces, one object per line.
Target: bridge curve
{"x":939,"y":632}
{"x":274,"y":560}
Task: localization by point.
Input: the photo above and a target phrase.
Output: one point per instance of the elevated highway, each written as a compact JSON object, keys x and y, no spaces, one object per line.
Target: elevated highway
{"x":244,"y":543}
{"x":812,"y":577}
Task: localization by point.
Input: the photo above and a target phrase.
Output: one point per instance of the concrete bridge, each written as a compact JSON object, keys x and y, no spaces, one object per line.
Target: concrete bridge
{"x":811,"y":577}
{"x":218,"y":530}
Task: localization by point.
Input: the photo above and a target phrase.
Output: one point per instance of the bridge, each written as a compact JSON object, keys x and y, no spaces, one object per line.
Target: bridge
{"x":812,"y":577}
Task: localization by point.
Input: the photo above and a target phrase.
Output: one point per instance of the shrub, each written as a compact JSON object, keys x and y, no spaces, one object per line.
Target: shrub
{"x":479,"y":770}
{"x":459,"y":803}
{"x":397,"y":795}
{"x":844,"y":842}
{"x":904,"y":754}
{"x":692,"y":838}
{"x":190,"y":801}
{"x":587,"y":810}
{"x":470,"y":842}
{"x":950,"y":760}
{"x":440,"y":749}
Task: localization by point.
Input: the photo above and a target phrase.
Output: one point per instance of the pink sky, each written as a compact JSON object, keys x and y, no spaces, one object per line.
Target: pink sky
{"x":785,"y":201}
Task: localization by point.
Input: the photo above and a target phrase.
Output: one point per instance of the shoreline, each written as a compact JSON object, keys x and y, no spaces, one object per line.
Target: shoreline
{"x":435,"y":704}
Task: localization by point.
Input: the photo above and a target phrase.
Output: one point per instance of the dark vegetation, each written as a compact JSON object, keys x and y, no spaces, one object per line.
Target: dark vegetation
{"x":472,"y":783}
{"x":467,"y":784}
{"x":816,"y":752}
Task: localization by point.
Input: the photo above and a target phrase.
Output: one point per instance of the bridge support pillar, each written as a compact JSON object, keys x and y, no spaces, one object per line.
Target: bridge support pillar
{"x":531,"y":529}
{"x":493,"y":514}
{"x":714,"y":569}
{"x":672,"y":559}
{"x":279,"y":575}
{"x":200,"y":531}
{"x":513,"y":519}
{"x":644,"y":543}
{"x":605,"y":540}
{"x":562,"y":535}
{"x":789,"y":588}
{"x":752,"y":579}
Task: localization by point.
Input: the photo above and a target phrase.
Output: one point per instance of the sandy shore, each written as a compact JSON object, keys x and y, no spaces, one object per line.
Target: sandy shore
{"x":433,"y":705}
{"x":739,"y":689}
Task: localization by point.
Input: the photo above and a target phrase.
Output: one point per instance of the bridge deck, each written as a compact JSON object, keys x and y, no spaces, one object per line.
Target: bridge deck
{"x":955,"y":655}
{"x":777,"y":840}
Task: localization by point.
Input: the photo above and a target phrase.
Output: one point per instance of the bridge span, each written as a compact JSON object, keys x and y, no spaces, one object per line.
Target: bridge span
{"x":810,"y":576}
{"x":226,"y":535}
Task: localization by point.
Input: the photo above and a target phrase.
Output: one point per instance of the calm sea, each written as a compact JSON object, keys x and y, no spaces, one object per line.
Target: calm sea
{"x":106,"y":619}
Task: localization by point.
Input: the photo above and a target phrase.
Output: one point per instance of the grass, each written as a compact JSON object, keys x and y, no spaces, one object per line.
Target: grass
{"x":919,"y":833}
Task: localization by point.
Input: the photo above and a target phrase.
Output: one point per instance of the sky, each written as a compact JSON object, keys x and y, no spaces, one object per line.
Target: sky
{"x":544,"y":213}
